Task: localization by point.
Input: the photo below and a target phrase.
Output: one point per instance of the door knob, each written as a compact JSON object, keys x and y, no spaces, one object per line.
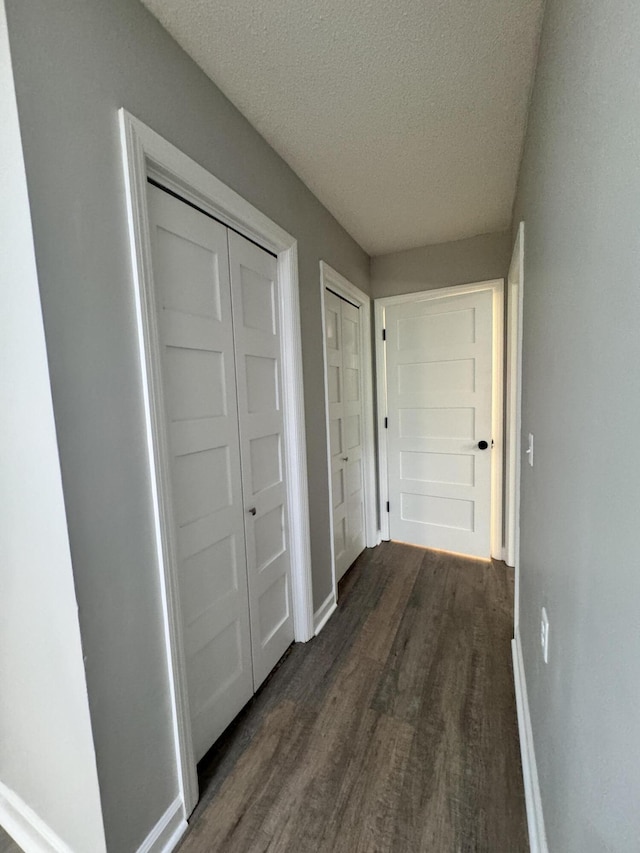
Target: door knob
{"x":253,"y":510}
{"x":483,"y":445}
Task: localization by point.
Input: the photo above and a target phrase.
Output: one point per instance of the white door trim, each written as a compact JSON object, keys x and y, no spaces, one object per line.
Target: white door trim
{"x":343,"y":287}
{"x":513,"y":420}
{"x":146,"y":153}
{"x":496,"y":286}
{"x":532,"y":798}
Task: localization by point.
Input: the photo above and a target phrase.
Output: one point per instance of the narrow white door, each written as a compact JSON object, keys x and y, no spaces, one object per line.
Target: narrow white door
{"x":259,"y":378}
{"x":337,"y":447}
{"x":344,"y":393}
{"x":193,"y":306}
{"x":439,"y":397}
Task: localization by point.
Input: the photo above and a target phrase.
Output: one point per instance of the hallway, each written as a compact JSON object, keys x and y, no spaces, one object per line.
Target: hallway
{"x":394,"y":730}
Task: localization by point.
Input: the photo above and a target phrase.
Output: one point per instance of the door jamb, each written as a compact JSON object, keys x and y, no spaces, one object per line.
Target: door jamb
{"x":330,"y":278}
{"x":513,"y":416}
{"x":496,"y":286}
{"x":146,"y":153}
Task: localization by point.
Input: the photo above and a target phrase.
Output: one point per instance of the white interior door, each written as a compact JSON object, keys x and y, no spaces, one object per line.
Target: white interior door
{"x":193,"y":306}
{"x":259,"y":380}
{"x":344,"y":393}
{"x":337,"y":445}
{"x":353,"y":429}
{"x":439,"y":404}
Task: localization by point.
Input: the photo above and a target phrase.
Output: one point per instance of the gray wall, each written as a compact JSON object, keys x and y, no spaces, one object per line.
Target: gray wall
{"x":579,"y":196}
{"x":47,"y":759}
{"x":76,"y":63}
{"x":442,"y":265}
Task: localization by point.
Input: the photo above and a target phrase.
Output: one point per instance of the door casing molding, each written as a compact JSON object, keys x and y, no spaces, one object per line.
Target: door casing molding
{"x":147,"y":154}
{"x":496,"y":286}
{"x":343,"y":287}
{"x":513,"y":414}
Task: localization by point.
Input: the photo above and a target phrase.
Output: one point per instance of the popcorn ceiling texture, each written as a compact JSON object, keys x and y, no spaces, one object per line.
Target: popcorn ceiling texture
{"x":406,"y":119}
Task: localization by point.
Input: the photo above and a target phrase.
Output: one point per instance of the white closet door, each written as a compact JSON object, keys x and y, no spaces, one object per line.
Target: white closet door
{"x":337,"y":443}
{"x":353,"y":429}
{"x":193,"y":306}
{"x":259,"y":381}
{"x":439,"y":395}
{"x":344,"y":393}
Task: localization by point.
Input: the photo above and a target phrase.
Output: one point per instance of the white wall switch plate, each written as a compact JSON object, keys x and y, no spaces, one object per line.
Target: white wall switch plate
{"x":529,"y":450}
{"x":544,"y":634}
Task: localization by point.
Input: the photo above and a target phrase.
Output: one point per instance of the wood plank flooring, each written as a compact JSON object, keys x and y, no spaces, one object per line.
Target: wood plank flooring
{"x":7,"y":844}
{"x":394,"y":730}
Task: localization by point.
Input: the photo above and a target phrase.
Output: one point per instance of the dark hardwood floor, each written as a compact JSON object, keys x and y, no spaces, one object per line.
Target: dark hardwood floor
{"x":7,"y":844}
{"x":394,"y":730}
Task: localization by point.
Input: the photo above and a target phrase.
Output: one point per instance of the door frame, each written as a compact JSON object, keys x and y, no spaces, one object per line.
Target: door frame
{"x":496,"y":287}
{"x":330,"y":278}
{"x":513,"y":418}
{"x":147,"y":154}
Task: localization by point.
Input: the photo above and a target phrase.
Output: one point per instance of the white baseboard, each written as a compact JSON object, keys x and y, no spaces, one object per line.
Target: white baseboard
{"x":324,"y":613}
{"x":167,"y":832}
{"x":535,"y":817}
{"x":26,"y":828}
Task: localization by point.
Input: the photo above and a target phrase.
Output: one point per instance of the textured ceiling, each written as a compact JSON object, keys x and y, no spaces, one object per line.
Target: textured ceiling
{"x":405,"y":118}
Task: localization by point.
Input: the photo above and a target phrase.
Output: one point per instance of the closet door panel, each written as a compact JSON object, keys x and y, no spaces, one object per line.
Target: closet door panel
{"x":352,"y":369}
{"x":344,"y":392}
{"x":194,"y":318}
{"x":334,"y":344}
{"x":261,"y":419}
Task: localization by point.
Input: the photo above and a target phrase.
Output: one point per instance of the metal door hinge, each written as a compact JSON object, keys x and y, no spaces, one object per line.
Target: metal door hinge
{"x":388,"y":509}
{"x":386,"y":423}
{"x":384,"y":334}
